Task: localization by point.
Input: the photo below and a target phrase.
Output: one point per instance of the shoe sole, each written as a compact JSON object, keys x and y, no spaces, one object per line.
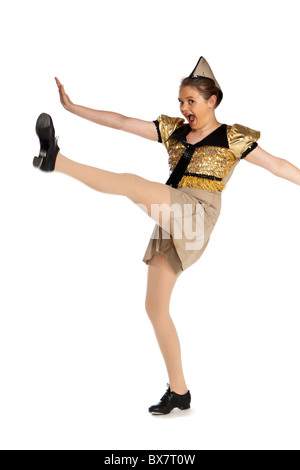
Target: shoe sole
{"x":43,"y":122}
{"x":161,"y":414}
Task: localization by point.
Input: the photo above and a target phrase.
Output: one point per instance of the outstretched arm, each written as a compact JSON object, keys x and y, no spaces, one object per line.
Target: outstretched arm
{"x":277,"y":166}
{"x":111,"y":119}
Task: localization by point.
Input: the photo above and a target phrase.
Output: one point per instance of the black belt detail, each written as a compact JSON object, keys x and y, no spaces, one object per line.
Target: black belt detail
{"x":181,"y":166}
{"x":209,"y":177}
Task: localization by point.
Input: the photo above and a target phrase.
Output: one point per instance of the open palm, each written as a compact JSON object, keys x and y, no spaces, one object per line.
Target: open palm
{"x":64,"y":98}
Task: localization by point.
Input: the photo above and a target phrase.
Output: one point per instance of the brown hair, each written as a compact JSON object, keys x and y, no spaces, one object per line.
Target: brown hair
{"x":205,"y":86}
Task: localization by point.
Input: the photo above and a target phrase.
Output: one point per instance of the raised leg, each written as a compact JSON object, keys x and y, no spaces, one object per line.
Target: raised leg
{"x":161,"y":276}
{"x":160,"y":283}
{"x":148,"y":195}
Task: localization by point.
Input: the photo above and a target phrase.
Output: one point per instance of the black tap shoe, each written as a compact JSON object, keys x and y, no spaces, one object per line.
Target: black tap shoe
{"x":48,"y":142}
{"x":171,"y":400}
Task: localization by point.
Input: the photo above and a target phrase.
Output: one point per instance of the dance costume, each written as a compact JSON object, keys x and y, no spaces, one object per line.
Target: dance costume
{"x":211,"y":164}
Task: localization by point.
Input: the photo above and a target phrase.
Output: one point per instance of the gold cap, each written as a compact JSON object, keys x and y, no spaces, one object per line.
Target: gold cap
{"x":203,"y":69}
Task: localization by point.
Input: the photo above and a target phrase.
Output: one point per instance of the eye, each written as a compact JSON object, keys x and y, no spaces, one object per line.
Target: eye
{"x":191,"y":101}
{"x":180,"y":101}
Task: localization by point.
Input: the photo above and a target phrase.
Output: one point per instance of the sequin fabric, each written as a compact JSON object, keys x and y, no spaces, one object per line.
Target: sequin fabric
{"x":207,"y":160}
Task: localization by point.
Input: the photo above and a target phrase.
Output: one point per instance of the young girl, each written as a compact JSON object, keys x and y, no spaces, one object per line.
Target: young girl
{"x":203,"y":154}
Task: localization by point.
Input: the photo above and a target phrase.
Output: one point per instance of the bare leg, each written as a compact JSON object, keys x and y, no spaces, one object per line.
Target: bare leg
{"x":139,"y":190}
{"x":161,"y":280}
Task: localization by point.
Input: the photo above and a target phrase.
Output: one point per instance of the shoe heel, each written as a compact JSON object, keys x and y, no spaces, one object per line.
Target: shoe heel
{"x":37,"y":161}
{"x":184,"y":407}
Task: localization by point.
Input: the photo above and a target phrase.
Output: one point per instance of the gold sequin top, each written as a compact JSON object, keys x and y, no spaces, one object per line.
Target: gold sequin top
{"x":213,"y":159}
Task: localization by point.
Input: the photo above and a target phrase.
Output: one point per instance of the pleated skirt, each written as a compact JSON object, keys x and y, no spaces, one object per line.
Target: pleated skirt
{"x":184,"y":238}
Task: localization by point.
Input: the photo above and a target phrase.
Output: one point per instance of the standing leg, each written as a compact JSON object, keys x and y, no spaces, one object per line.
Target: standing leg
{"x":161,"y":276}
{"x":161,"y":280}
{"x":140,"y":190}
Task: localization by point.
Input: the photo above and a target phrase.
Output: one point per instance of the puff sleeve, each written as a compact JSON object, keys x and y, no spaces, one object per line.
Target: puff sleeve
{"x":166,"y":125}
{"x":242,"y":140}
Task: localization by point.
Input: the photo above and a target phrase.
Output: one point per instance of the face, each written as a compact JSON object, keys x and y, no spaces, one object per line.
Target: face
{"x":193,"y":106}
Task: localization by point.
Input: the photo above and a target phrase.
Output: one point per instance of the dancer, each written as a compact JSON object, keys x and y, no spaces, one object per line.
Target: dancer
{"x":203,"y":154}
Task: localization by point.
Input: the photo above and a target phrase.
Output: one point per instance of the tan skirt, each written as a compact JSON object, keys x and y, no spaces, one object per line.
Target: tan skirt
{"x":194,"y":213}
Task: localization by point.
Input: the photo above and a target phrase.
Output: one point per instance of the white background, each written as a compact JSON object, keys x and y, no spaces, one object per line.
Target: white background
{"x":79,"y":360}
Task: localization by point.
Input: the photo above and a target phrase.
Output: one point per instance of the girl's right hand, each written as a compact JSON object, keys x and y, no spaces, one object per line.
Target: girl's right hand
{"x":64,"y":99}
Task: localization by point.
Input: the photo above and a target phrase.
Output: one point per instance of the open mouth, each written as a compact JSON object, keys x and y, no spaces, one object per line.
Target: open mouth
{"x":190,"y":117}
